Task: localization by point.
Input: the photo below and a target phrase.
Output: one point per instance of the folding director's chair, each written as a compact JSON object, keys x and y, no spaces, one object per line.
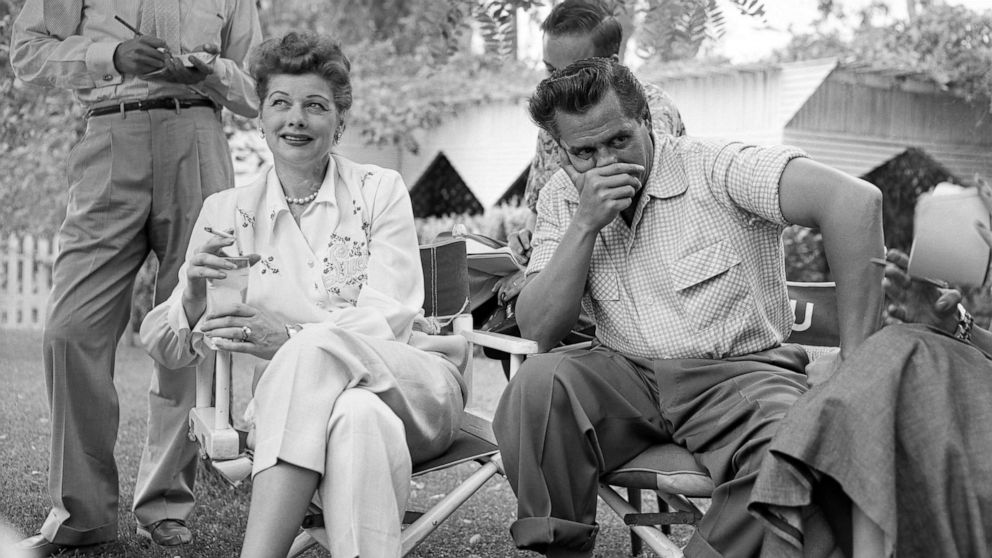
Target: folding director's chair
{"x":673,"y":473}
{"x":446,"y":305}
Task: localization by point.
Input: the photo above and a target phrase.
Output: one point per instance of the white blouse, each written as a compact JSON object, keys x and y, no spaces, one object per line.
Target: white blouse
{"x":352,"y":262}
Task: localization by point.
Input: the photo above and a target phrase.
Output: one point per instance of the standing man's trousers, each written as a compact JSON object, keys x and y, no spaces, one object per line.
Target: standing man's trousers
{"x":136,"y":184}
{"x":567,"y":418}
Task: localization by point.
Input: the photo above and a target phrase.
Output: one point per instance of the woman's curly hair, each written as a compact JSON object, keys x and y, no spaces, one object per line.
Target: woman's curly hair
{"x":297,"y":53}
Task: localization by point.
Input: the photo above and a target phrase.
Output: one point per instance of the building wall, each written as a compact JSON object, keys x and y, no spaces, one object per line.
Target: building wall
{"x":739,"y":104}
{"x":489,"y":145}
{"x":856,"y":123}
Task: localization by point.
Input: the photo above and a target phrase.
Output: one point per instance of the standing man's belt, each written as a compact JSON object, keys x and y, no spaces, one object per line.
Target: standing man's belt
{"x":151,"y":104}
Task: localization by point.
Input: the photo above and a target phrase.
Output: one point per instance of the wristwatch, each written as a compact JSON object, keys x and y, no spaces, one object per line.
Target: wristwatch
{"x":292,"y":329}
{"x":965,"y":322}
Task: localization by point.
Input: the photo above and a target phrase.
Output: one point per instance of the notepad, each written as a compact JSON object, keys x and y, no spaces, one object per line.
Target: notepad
{"x":946,"y":245}
{"x":490,"y":256}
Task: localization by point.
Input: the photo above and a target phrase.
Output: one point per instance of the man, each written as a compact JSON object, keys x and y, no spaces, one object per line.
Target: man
{"x":154,"y":148}
{"x":673,"y":246}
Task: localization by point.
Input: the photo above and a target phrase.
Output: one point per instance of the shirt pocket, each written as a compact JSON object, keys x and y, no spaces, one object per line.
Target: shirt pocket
{"x":709,"y":284}
{"x":604,"y":284}
{"x":205,"y":24}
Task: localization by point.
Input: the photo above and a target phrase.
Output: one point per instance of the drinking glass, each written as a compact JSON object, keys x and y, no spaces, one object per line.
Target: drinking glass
{"x":229,"y":290}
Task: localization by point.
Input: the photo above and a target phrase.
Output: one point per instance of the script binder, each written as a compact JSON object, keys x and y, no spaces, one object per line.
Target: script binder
{"x":487,"y":255}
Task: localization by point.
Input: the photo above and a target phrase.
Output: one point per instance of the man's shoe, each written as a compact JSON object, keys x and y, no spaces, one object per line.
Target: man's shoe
{"x":168,"y":532}
{"x":37,"y":546}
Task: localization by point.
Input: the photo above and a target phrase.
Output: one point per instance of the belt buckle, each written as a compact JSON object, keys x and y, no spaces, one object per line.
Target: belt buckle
{"x":176,"y":101}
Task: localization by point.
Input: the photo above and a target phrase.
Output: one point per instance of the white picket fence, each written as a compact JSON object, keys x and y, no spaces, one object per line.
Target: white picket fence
{"x":25,"y":280}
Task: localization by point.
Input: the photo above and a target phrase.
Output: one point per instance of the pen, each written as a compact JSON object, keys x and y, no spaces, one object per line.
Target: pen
{"x":137,"y":33}
{"x":934,"y":282}
{"x":128,"y":25}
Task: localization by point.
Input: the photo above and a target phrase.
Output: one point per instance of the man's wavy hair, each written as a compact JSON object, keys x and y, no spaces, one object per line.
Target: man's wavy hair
{"x":586,"y":17}
{"x":298,"y":53}
{"x":580,"y":86}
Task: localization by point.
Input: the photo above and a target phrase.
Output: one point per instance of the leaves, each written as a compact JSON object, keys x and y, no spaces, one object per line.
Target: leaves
{"x":676,"y":29}
{"x":951,"y":44}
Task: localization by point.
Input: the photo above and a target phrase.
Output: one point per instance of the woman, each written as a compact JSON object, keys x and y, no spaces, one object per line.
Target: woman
{"x":346,"y":401}
{"x":892,"y":455}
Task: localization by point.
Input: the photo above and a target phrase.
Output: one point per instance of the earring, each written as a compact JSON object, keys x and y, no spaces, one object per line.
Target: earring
{"x":337,"y":135}
{"x":261,"y":133}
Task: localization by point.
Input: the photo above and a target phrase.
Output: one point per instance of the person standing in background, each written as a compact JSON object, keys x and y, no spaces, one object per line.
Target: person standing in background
{"x":153,"y":76}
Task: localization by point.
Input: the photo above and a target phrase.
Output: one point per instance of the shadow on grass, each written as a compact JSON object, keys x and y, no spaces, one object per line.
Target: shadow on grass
{"x":478,"y":529}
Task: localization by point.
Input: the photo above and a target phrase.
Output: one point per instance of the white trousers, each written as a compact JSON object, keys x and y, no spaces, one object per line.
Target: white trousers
{"x":366,"y":481}
{"x":359,"y":411}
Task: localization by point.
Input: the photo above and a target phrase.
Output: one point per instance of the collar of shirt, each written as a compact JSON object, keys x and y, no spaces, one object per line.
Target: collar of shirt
{"x":275,"y":197}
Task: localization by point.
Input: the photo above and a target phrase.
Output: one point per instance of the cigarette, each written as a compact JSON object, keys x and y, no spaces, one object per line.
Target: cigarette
{"x":934,"y":282}
{"x":221,"y":234}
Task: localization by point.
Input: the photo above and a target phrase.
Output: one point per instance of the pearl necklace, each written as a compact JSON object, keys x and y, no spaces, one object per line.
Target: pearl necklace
{"x":313,"y":195}
{"x":304,"y":200}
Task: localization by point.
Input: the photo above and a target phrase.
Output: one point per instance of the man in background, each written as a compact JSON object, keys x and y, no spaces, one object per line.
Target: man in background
{"x":153,"y":76}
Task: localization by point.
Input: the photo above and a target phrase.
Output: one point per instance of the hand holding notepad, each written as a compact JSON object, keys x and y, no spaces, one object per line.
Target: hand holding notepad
{"x":947,"y":243}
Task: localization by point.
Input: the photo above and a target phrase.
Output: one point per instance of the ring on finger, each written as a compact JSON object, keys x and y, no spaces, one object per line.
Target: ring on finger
{"x":245,"y":333}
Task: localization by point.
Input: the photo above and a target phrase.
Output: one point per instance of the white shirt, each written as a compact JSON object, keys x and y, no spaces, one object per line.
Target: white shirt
{"x":70,"y":45}
{"x":352,"y":262}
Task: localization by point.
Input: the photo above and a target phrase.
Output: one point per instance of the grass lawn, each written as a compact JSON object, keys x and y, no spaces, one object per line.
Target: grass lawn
{"x":478,"y":529}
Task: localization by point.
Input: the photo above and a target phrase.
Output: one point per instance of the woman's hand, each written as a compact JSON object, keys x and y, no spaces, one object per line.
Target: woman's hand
{"x":242,"y":328}
{"x":917,"y":301}
{"x":207,"y":263}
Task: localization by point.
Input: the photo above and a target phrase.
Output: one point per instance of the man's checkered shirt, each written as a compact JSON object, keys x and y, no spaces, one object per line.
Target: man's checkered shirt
{"x":700,"y":273}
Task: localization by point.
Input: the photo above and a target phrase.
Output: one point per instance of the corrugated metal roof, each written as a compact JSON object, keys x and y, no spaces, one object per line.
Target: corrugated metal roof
{"x":799,"y":81}
{"x":774,"y":91}
{"x":858,"y":155}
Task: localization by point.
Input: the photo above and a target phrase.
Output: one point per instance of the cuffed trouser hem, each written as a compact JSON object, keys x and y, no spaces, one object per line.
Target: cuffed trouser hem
{"x":553,"y":536}
{"x":60,"y":533}
{"x":699,"y":548}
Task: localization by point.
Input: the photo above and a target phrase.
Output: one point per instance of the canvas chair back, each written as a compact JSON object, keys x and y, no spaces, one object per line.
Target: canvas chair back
{"x":815,"y":308}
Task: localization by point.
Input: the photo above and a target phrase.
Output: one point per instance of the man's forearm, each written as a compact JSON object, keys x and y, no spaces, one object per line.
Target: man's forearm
{"x":852,"y":235}
{"x":848,"y":213}
{"x":549,"y":304}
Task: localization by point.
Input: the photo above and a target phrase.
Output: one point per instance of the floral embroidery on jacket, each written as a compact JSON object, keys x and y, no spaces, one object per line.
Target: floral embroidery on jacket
{"x":346,"y":267}
{"x":247,"y":218}
{"x":269,"y":266}
{"x":346,"y":264}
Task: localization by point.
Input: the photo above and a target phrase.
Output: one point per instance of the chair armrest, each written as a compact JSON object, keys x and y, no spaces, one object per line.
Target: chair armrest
{"x":501,"y":342}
